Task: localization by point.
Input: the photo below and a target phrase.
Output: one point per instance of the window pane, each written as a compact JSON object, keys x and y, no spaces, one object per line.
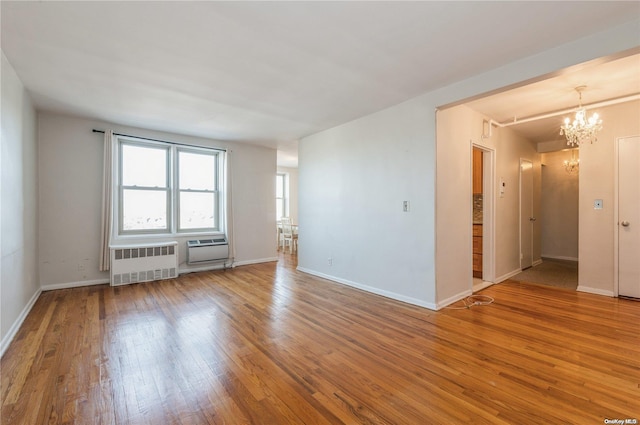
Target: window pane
{"x":197,"y":210}
{"x":144,"y":166}
{"x":144,"y":209}
{"x":279,"y":210}
{"x":197,"y":171}
{"x":279,"y":186}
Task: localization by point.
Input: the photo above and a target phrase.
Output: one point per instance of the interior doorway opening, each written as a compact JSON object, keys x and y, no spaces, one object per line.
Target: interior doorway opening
{"x":527,"y":216}
{"x":483,"y":216}
{"x":558,"y":220}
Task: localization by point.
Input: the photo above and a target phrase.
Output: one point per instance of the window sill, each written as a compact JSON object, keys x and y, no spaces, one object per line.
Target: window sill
{"x":164,"y":236}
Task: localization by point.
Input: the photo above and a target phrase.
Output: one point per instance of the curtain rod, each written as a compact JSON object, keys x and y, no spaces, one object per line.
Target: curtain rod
{"x":161,"y":141}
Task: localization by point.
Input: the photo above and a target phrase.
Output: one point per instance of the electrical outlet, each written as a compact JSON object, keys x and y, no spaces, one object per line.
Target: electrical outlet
{"x":330,"y":261}
{"x":406,"y":206}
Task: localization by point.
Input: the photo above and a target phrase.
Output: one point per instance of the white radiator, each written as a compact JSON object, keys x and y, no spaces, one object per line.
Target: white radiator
{"x":143,"y":262}
{"x":206,"y":250}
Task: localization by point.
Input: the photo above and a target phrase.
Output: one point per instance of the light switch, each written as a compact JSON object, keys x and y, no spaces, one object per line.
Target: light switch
{"x":405,"y":206}
{"x":597,"y":204}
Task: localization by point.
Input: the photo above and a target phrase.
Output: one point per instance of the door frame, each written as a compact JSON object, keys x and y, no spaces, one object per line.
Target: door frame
{"x":488,"y":211}
{"x":616,"y":197}
{"x":520,"y":256}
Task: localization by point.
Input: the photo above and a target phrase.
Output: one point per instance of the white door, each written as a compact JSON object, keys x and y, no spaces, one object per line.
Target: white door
{"x":526,"y":213}
{"x":629,"y":217}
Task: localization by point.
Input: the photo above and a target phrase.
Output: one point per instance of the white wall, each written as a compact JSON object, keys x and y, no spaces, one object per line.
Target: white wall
{"x":353,"y":181}
{"x":19,"y":286}
{"x":458,"y":128}
{"x":293,"y":191}
{"x":511,"y":147}
{"x":70,"y":175}
{"x":559,"y":211}
{"x":597,"y":181}
{"x":354,"y":177}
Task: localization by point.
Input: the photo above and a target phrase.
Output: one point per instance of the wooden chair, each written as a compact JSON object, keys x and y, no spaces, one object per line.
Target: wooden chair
{"x":288,"y":235}
{"x":280,"y":239}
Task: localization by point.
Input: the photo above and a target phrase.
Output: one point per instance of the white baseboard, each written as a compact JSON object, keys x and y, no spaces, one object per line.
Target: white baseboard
{"x":67,"y":285}
{"x":559,"y":257}
{"x":54,"y":286}
{"x":536,"y":263}
{"x":483,"y":285}
{"x":371,"y":289}
{"x":454,"y":298}
{"x":207,"y":267}
{"x":220,"y":265}
{"x":256,"y":261}
{"x":596,"y":291}
{"x":13,"y":330}
{"x":507,"y":276}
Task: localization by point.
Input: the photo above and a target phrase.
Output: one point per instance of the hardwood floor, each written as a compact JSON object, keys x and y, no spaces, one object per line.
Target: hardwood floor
{"x":265,"y":344}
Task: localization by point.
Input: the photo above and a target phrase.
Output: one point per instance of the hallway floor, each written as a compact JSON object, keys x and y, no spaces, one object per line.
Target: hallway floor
{"x":552,"y":272}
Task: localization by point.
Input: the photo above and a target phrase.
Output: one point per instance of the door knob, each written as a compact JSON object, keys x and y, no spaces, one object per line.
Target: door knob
{"x":625,"y":223}
{"x":532,"y":219}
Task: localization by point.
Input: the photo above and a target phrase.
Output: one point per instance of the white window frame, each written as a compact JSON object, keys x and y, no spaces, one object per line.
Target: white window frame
{"x":285,"y":194}
{"x":173,"y":190}
{"x":215,"y":191}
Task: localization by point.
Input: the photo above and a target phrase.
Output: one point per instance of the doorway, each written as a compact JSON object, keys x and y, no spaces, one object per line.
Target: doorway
{"x":527,"y":217}
{"x":557,"y":223}
{"x":483,"y":216}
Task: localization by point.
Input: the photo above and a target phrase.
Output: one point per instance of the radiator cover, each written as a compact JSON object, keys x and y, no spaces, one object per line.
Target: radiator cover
{"x":143,"y":262}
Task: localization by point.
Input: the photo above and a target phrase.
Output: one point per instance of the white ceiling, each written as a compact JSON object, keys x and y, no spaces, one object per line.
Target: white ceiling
{"x":270,"y":73}
{"x":613,"y":80}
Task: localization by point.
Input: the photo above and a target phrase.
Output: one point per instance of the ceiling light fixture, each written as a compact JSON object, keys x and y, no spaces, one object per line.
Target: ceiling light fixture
{"x":572,"y":165}
{"x":581,"y":129}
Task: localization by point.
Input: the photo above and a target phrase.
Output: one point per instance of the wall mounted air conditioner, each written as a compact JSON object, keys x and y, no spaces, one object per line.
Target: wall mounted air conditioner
{"x":207,"y":250}
{"x":143,"y":262}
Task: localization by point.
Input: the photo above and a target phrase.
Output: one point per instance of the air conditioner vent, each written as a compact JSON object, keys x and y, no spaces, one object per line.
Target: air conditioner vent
{"x":207,"y":250}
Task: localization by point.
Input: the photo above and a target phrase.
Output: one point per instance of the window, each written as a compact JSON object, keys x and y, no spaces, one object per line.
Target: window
{"x":197,"y":189}
{"x":145,"y":188}
{"x":165,"y":188}
{"x":282,"y":201}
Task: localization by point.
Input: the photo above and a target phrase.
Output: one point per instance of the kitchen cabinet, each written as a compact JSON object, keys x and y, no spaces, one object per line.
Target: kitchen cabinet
{"x":477,"y":171}
{"x":477,"y":250}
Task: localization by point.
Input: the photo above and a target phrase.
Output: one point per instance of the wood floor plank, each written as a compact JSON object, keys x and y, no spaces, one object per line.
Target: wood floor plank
{"x":267,"y":344}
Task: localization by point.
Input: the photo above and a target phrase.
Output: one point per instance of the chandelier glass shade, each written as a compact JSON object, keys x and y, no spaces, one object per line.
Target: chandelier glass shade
{"x":572,"y":165}
{"x":582,"y":129}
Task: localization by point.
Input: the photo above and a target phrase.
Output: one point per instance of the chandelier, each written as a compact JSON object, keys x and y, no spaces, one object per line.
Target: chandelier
{"x":582,"y":129}
{"x":572,"y":165}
